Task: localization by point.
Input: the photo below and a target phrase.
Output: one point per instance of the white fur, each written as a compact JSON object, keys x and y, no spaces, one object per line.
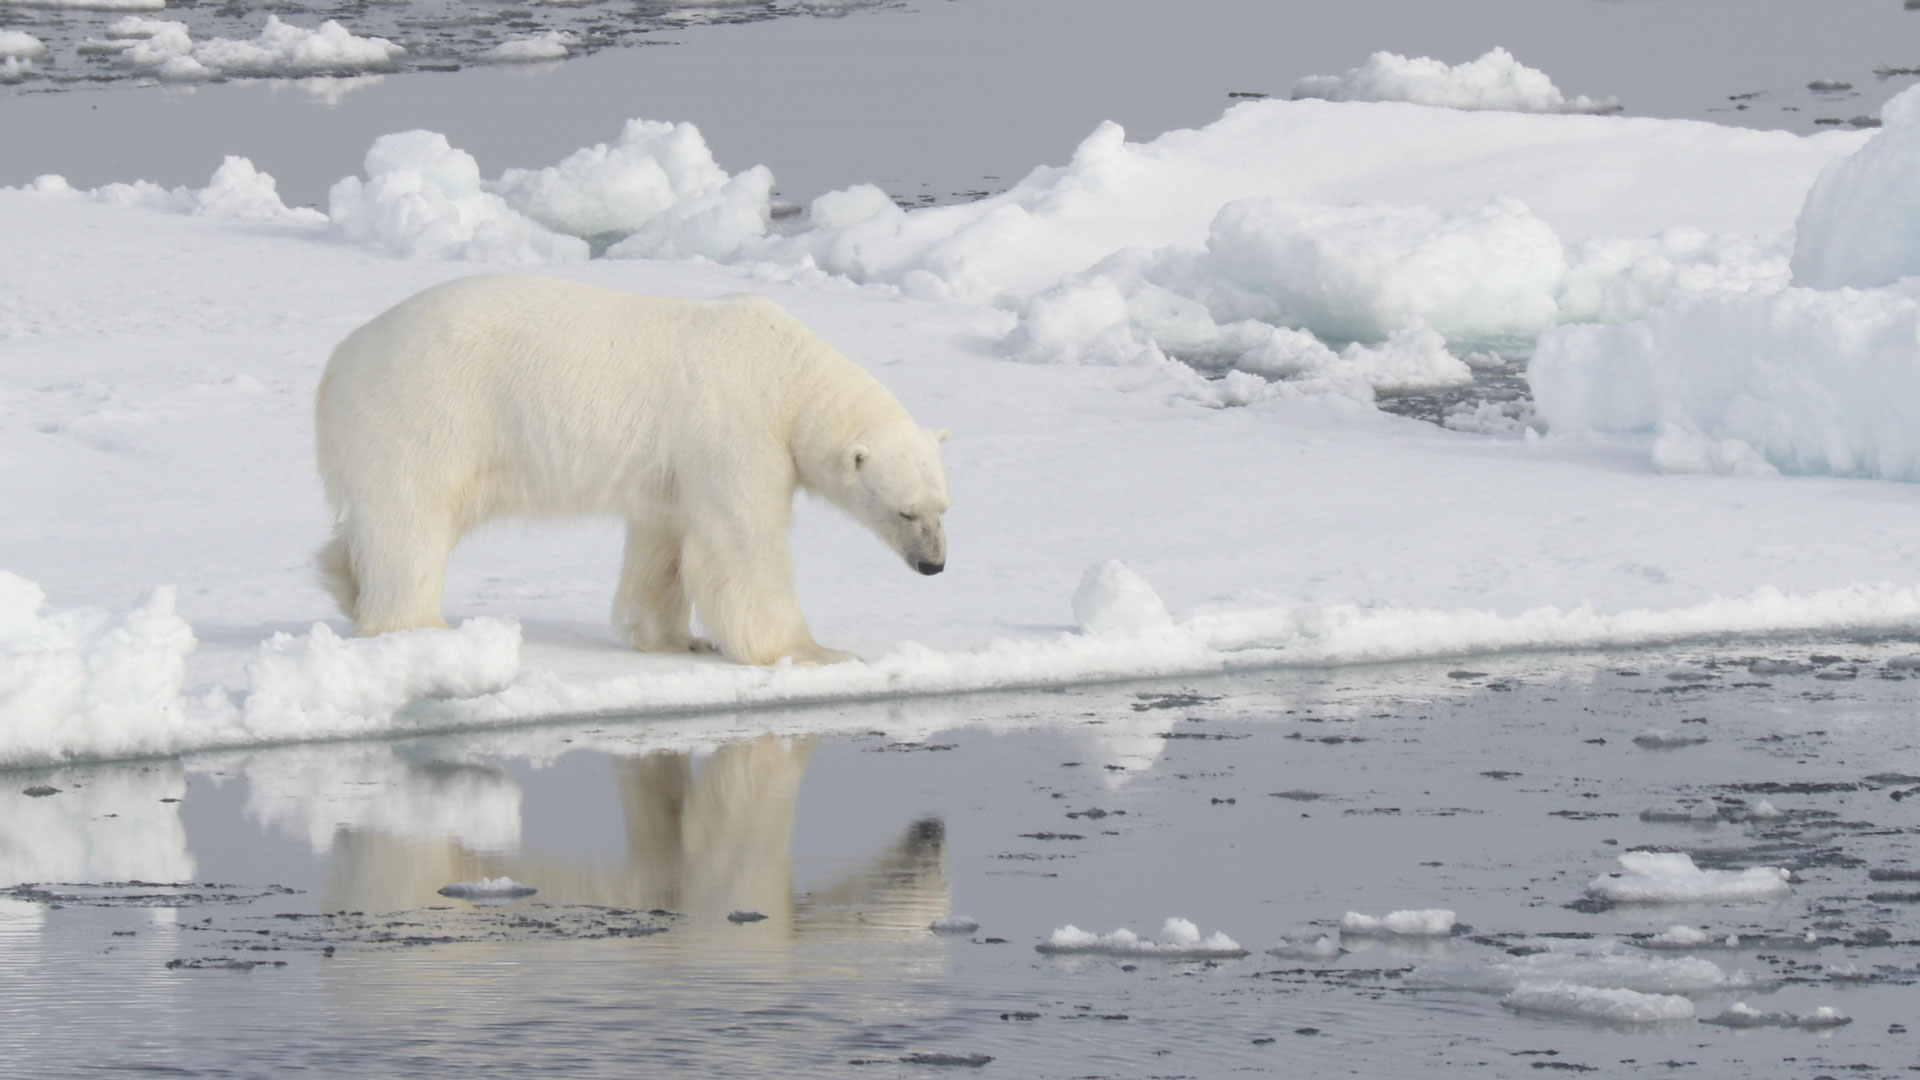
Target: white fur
{"x":694,"y":420}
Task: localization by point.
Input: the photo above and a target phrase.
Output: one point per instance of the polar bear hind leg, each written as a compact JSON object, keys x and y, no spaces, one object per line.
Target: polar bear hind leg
{"x":398,"y":558}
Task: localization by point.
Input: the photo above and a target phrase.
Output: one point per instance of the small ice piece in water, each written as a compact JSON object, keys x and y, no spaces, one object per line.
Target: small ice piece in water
{"x":1846,"y":972}
{"x":1698,"y":813}
{"x":1321,"y":947}
{"x":1910,"y":662}
{"x":1779,"y":667}
{"x":953,"y":924}
{"x":1670,"y":877}
{"x":497,"y":888}
{"x":1677,"y":937}
{"x":1603,"y":1004}
{"x":1662,"y":739}
{"x":1431,"y":922}
{"x":744,"y":916}
{"x":1742,"y":1015}
{"x":1179,"y":939}
{"x":1764,"y":811}
{"x":1112,"y":598}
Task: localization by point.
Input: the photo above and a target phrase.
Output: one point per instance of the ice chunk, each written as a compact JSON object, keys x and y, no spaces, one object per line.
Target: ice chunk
{"x":1663,"y":739}
{"x":1612,"y":1006}
{"x":1678,"y":937}
{"x":500,"y":888}
{"x":1431,"y":922}
{"x":88,"y":682}
{"x":1179,"y":940}
{"x":615,"y":188}
{"x":1764,"y":811}
{"x":1609,"y":966}
{"x":1653,"y":877}
{"x":423,"y":198}
{"x":1742,"y":1015}
{"x":552,"y":45}
{"x":954,"y":924}
{"x":1113,"y":599}
{"x":1321,"y":948}
{"x":1362,"y":272}
{"x":1494,"y":81}
{"x":167,"y":50}
{"x":1860,"y":225}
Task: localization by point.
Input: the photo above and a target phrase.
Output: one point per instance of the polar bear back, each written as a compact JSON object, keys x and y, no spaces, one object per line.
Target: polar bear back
{"x":541,"y":396}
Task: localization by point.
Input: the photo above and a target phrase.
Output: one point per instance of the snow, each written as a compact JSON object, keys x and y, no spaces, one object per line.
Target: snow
{"x":1433,"y":922}
{"x":167,"y":50}
{"x":1611,"y":1006}
{"x":1178,"y":940}
{"x":500,"y":888}
{"x":1493,"y":81}
{"x":1114,"y":599}
{"x":1650,"y":877}
{"x":1166,"y":351}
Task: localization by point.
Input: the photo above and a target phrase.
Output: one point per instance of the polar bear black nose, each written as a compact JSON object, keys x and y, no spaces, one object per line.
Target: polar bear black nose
{"x":929,"y":568}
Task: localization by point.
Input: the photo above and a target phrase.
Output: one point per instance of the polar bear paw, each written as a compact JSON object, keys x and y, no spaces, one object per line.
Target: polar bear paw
{"x":819,"y":655}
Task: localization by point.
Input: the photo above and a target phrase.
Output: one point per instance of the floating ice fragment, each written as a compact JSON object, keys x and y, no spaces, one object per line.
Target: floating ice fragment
{"x":953,"y":924}
{"x":1779,"y":667}
{"x":1430,"y":922}
{"x":1764,"y":811}
{"x":1321,"y":948}
{"x":1655,"y":877}
{"x":1662,"y":739}
{"x":1904,"y":663}
{"x":1677,"y":937}
{"x":1179,"y":939}
{"x":1612,"y":1006}
{"x":500,"y":888}
{"x":1741,"y":1015}
{"x":971,"y":1061}
{"x":1698,"y":813}
{"x":1494,"y":81}
{"x":744,"y":916}
{"x":1609,"y":967}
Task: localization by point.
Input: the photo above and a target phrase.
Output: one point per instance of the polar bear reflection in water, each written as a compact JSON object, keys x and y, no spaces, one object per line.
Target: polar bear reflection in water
{"x":703,"y":839}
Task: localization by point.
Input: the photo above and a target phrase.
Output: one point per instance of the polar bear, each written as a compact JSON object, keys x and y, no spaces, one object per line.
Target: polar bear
{"x":693,"y":420}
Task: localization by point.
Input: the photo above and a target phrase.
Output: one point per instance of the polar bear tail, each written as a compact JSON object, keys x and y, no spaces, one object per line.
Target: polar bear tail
{"x":336,"y":573}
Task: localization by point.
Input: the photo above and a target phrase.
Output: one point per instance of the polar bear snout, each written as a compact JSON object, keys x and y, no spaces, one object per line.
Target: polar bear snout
{"x":929,"y":567}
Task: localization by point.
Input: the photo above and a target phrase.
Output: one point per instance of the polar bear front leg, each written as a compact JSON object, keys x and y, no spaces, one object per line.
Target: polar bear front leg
{"x":741,"y":581}
{"x":651,"y":611}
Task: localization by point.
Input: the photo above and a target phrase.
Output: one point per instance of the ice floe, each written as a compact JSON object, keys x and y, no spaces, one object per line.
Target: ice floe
{"x":1742,"y":1015}
{"x":1179,"y":940}
{"x":1430,"y":922}
{"x":1607,"y":1005}
{"x":1652,"y":877}
{"x":1493,"y":81}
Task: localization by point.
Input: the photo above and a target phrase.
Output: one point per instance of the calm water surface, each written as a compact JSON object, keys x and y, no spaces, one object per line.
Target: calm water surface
{"x":278,"y":912}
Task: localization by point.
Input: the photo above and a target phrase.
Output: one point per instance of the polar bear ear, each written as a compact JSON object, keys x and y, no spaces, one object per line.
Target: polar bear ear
{"x":941,"y":434}
{"x":857,"y":454}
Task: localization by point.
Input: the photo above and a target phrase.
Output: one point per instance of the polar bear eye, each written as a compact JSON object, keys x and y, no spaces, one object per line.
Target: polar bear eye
{"x":908,"y":514}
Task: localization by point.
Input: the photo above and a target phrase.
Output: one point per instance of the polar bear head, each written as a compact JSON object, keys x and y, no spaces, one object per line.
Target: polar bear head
{"x":897,"y":487}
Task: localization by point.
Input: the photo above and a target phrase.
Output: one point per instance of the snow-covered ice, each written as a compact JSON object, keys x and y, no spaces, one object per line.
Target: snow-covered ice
{"x":1610,"y":1005}
{"x":1168,"y":351}
{"x":1179,"y":940}
{"x":165,"y":49}
{"x":1430,"y":922}
{"x":1606,"y":967}
{"x":1654,"y":877}
{"x":1742,"y":1015}
{"x":1493,"y":81}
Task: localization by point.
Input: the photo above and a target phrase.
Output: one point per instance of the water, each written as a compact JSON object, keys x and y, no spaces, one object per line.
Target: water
{"x":930,"y":100}
{"x":313,"y":936}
